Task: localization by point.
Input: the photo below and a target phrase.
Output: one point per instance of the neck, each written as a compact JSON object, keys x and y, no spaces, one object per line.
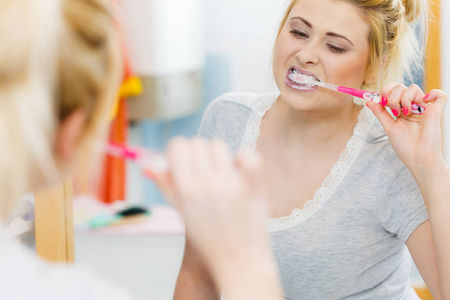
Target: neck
{"x":311,"y":128}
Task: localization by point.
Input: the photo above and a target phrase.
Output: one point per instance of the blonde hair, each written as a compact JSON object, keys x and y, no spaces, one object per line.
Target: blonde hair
{"x":56,"y":57}
{"x":395,"y":50}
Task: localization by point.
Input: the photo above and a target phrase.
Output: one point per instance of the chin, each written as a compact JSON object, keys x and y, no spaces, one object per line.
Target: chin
{"x":299,"y":102}
{"x":302,"y":100}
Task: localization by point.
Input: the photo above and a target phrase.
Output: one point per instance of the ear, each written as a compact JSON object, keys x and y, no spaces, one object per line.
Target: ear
{"x":69,"y":134}
{"x":370,"y":77}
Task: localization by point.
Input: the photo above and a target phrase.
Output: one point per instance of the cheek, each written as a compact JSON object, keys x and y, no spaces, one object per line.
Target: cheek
{"x":287,"y":45}
{"x":276,"y":58}
{"x":284,"y":50}
{"x":346,"y":71}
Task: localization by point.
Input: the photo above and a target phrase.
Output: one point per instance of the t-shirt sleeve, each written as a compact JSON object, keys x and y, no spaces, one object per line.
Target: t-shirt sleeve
{"x":226,"y":120}
{"x":209,"y":119}
{"x":401,"y":208}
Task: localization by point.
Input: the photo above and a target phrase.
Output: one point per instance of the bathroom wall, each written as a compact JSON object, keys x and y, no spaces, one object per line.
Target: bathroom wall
{"x":239,"y":38}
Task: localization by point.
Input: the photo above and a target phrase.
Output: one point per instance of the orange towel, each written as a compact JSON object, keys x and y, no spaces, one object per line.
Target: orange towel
{"x":112,"y":185}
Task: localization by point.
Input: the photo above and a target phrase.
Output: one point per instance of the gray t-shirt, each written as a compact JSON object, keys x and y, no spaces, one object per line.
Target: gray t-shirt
{"x":349,"y":241}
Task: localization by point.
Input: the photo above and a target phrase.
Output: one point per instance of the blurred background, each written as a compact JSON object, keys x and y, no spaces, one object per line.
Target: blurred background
{"x":184,"y":53}
{"x":180,"y":55}
{"x":225,"y":45}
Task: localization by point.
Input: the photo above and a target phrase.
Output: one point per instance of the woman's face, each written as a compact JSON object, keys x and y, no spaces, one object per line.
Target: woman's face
{"x":328,"y":40}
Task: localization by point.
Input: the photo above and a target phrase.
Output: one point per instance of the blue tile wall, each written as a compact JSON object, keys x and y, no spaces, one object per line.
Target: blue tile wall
{"x":156,"y":134}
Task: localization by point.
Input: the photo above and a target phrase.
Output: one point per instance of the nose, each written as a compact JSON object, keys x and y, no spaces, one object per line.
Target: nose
{"x":308,"y":54}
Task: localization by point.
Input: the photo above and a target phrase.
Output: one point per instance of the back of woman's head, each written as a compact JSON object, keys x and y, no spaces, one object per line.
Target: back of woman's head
{"x":56,"y":57}
{"x":395,"y":49}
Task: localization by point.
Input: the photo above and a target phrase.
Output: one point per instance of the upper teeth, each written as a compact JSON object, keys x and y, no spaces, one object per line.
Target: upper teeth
{"x":294,"y":71}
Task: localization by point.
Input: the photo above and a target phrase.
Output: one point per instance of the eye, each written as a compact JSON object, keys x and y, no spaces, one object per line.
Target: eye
{"x":299,"y":34}
{"x":335,"y":49}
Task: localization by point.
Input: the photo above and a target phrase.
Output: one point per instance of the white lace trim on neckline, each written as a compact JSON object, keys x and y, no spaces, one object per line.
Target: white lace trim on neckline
{"x":331,"y":182}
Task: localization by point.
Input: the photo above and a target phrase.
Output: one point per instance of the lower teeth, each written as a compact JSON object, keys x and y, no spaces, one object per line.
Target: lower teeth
{"x":304,"y":85}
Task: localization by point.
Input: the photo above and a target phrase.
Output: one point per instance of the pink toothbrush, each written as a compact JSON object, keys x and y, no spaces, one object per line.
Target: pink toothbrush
{"x":366,"y":95}
{"x":146,"y":159}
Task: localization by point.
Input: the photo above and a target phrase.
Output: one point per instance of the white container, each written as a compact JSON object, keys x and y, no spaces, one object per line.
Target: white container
{"x":164,"y":39}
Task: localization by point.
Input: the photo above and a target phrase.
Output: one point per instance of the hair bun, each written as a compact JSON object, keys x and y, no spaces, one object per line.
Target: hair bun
{"x":414,"y":9}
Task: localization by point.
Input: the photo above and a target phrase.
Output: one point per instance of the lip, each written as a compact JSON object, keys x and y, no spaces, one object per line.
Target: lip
{"x":295,"y":86}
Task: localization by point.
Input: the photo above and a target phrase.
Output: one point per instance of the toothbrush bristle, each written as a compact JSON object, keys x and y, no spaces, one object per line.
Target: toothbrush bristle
{"x":301,"y":79}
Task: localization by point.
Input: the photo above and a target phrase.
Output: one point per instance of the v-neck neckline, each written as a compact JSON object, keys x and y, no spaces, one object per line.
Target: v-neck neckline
{"x":338,"y":171}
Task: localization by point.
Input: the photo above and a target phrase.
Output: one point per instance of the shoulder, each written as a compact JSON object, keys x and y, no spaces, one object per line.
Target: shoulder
{"x":246,"y":101}
{"x":380,"y":145}
{"x":228,"y":116}
{"x":379,"y":155}
{"x":234,"y":108}
{"x":375,"y":133}
{"x":377,"y":152}
{"x":370,"y":140}
{"x":229,"y":106}
{"x":393,"y":177}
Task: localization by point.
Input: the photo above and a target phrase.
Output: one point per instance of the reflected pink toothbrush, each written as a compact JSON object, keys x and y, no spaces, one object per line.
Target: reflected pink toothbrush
{"x":147,"y":160}
{"x":366,"y":95}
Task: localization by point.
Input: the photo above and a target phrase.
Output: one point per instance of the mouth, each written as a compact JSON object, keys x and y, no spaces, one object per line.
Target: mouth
{"x":301,"y":86}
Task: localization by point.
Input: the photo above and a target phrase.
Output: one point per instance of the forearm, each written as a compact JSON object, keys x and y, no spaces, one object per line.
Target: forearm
{"x":435,"y":189}
{"x":190,"y":286}
{"x":253,"y":276}
{"x":194,"y":280}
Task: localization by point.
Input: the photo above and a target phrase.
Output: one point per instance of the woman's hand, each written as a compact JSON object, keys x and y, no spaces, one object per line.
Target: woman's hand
{"x":222,"y":203}
{"x":417,"y":139}
{"x":220,"y":198}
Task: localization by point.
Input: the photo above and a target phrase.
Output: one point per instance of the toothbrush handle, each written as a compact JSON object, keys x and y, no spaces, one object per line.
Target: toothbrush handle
{"x":375,"y":97}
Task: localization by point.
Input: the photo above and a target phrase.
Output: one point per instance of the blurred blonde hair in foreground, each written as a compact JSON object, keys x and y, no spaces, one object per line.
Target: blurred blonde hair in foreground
{"x":56,"y":57}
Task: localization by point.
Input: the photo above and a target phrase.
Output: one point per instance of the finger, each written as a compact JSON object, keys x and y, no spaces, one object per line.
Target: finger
{"x":412,"y":94}
{"x":221,"y":155}
{"x":435,"y":95}
{"x":382,"y":115}
{"x":386,"y":92}
{"x":179,"y":156}
{"x":250,"y":165}
{"x":395,"y":98}
{"x":201,"y":156}
{"x":164,"y":183}
{"x":438,"y":101}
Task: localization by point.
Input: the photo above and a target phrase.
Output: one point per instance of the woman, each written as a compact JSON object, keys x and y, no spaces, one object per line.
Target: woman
{"x":245,"y":268}
{"x":59,"y":70}
{"x":59,"y":74}
{"x":343,"y":205}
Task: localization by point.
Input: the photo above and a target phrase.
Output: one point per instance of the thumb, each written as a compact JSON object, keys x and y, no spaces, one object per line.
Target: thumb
{"x":164,"y":182}
{"x":435,"y":111}
{"x":382,"y":115}
{"x":250,"y":165}
{"x":438,"y":100}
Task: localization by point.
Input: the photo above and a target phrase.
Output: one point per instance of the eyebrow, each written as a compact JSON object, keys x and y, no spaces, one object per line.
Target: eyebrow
{"x":328,"y":33}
